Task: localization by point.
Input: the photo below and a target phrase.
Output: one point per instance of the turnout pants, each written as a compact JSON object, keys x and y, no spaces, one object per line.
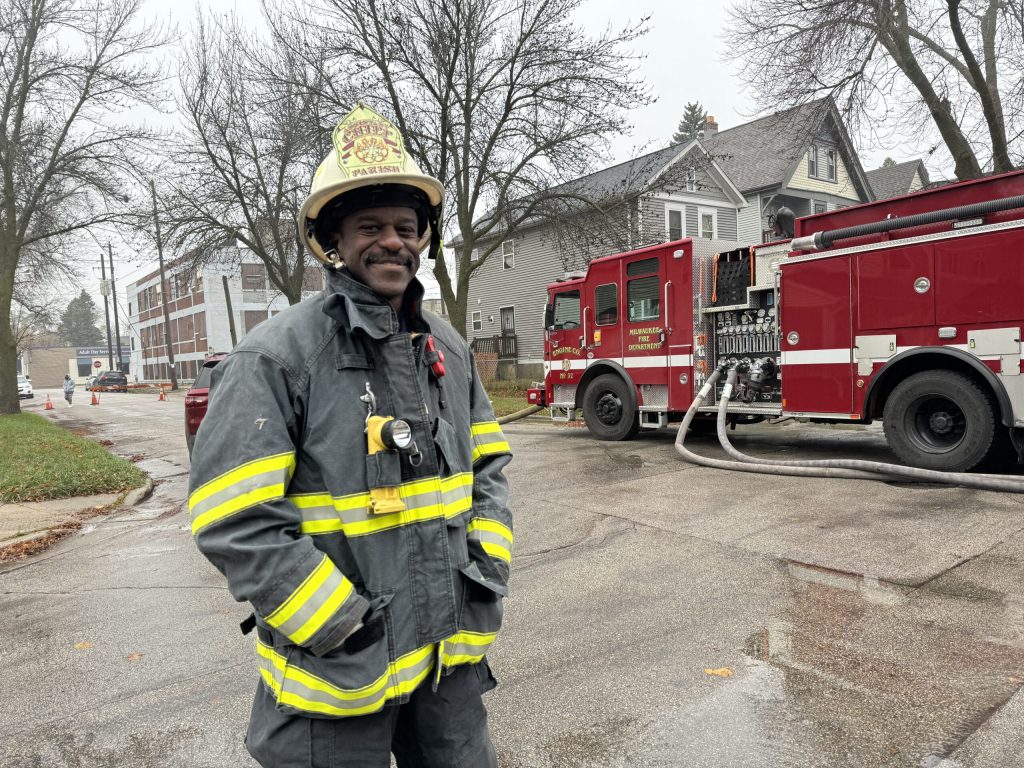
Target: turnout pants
{"x":442,"y":729}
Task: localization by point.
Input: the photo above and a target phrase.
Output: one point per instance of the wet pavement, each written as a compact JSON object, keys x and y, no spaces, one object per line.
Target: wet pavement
{"x":661,"y":614}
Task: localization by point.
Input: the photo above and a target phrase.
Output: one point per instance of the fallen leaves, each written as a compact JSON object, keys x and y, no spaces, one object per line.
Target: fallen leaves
{"x":83,"y":646}
{"x":721,"y":672}
{"x":134,"y":656}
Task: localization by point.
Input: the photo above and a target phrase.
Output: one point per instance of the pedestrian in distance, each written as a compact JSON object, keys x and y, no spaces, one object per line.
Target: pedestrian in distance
{"x":69,"y":388}
{"x":348,"y":482}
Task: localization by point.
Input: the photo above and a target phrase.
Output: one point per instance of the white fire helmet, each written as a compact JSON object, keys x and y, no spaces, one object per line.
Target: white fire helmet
{"x":368,"y":168}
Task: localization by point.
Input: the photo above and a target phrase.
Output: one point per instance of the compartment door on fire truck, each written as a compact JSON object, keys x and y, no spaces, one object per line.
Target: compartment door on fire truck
{"x":646,"y":337}
{"x":602,"y":312}
{"x":817,"y":341}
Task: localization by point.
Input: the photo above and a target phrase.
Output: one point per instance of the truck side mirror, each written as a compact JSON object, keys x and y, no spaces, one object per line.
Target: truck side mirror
{"x":549,"y":317}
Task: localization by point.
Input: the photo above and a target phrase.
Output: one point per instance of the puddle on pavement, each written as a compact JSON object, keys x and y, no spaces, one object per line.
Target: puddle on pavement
{"x":850,"y":672}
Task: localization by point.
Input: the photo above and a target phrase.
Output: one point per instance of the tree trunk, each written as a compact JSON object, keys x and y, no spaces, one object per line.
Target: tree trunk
{"x":8,"y":345}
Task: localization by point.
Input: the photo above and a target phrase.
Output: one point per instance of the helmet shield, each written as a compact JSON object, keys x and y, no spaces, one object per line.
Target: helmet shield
{"x":368,"y":168}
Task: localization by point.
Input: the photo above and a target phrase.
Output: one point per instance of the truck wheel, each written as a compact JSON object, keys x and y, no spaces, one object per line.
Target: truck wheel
{"x":939,"y":420}
{"x":608,"y":409}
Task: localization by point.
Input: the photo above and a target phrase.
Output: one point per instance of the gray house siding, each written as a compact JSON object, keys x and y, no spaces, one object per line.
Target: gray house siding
{"x":749,"y":224}
{"x":523,"y":287}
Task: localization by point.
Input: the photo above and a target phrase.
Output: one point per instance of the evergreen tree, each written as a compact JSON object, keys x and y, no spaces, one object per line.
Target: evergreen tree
{"x":888,"y":162}
{"x":692,"y":123}
{"x":77,"y":326}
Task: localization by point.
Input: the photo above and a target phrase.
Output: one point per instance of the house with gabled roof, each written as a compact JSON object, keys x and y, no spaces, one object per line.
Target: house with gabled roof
{"x":724,"y":186}
{"x":898,"y":179}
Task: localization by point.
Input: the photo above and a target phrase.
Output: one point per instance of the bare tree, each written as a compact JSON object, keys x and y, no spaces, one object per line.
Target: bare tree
{"x":503,"y":100}
{"x":954,"y":66}
{"x":68,"y":70}
{"x":254,"y":132}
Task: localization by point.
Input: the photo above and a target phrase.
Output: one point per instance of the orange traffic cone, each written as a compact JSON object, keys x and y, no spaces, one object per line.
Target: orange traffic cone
{"x":163,"y":395}
{"x":95,"y":399}
{"x":49,"y":404}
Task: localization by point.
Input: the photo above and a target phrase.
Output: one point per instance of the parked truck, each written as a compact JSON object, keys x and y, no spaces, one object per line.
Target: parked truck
{"x":907,"y":310}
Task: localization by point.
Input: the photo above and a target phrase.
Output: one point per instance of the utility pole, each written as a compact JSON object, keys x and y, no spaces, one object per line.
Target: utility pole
{"x":113,"y":296}
{"x":163,"y":293}
{"x":231,"y":314}
{"x":105,"y":290}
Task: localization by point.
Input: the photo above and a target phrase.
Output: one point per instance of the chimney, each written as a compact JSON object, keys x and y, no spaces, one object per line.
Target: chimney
{"x":710,"y":127}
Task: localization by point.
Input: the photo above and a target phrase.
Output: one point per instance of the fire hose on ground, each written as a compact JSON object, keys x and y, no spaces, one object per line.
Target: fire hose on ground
{"x":528,"y":411}
{"x":855,"y":469}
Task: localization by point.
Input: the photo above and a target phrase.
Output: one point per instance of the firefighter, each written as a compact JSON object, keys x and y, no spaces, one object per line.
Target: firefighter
{"x":348,"y":482}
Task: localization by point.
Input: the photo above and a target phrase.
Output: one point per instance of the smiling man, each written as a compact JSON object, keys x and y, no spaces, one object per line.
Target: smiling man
{"x":348,"y":482}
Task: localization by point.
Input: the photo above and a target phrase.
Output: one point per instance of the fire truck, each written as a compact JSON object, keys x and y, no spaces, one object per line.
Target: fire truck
{"x":907,"y":310}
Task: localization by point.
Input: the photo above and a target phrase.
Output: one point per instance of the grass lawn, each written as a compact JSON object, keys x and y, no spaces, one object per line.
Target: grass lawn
{"x":507,"y":396}
{"x":39,"y":461}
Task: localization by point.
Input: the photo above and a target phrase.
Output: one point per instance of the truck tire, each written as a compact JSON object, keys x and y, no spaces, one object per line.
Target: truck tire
{"x":607,"y":403}
{"x":939,"y":420}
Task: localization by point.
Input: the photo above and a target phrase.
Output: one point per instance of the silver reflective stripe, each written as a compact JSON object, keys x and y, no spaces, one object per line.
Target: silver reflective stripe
{"x":317,"y":599}
{"x":490,"y":538}
{"x":424,"y":499}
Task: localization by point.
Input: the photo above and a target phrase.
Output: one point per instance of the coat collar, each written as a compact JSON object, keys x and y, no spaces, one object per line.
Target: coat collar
{"x":356,"y":305}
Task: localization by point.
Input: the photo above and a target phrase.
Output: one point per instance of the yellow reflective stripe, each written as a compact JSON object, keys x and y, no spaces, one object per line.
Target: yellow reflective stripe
{"x":305,"y":590}
{"x":305,"y":691}
{"x":255,"y":467}
{"x":487,"y":524}
{"x":426,"y":499}
{"x":484,"y":428}
{"x":488,"y":449}
{"x":496,"y":550}
{"x":466,"y":647}
{"x":242,"y":487}
{"x":328,"y":608}
{"x":316,"y":599}
{"x":495,"y":537}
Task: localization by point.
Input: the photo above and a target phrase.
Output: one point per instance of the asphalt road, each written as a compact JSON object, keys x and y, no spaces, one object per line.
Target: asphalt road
{"x":661,"y":614}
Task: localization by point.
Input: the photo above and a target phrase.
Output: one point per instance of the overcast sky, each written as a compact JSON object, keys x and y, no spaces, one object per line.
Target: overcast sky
{"x":685,"y":60}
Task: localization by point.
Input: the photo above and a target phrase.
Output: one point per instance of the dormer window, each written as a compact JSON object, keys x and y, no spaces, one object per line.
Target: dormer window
{"x":821,"y":163}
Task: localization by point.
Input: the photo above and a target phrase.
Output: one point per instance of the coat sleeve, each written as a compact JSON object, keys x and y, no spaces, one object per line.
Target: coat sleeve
{"x":242,"y":464}
{"x":491,"y":522}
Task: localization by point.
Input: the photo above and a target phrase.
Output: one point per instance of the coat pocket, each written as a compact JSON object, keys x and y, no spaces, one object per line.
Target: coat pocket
{"x":341,"y":683}
{"x":481,"y":601}
{"x":450,"y":458}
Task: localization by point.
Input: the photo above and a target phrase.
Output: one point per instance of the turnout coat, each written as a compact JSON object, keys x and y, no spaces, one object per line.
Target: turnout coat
{"x":354,"y":609}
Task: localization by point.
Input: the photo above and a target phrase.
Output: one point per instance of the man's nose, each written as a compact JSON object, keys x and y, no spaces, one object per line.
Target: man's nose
{"x":389,"y":239}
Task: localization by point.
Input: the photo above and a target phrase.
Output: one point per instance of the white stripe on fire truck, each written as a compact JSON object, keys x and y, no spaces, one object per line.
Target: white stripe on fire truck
{"x":817,"y":357}
{"x":646,"y":361}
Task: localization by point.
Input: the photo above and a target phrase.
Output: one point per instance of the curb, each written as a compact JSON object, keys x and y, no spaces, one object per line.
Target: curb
{"x":39,"y":541}
{"x":137,"y":495}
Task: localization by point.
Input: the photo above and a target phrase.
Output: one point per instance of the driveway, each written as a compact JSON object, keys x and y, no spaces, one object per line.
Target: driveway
{"x":661,"y":614}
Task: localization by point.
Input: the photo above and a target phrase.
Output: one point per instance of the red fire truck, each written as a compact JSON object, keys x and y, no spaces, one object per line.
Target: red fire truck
{"x":908,"y":310}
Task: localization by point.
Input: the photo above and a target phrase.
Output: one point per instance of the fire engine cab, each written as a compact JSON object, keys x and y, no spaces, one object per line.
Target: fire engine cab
{"x":907,"y":310}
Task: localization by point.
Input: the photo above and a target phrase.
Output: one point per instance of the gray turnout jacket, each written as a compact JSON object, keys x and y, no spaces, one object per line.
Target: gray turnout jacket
{"x":354,"y":609}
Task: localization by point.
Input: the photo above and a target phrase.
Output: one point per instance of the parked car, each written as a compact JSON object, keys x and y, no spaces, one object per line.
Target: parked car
{"x":24,"y":387}
{"x":197,"y":399}
{"x":109,"y":381}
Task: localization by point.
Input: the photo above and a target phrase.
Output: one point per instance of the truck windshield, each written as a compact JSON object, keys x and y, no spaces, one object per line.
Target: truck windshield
{"x":567,"y":310}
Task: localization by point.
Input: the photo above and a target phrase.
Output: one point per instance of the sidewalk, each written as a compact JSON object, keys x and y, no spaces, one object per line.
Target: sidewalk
{"x":27,"y":527}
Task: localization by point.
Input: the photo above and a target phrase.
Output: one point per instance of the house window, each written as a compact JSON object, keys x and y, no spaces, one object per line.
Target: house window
{"x":707,"y":219}
{"x":818,"y":206}
{"x":508,"y":254}
{"x":821,"y":163}
{"x":477,"y":322}
{"x":830,"y":164}
{"x":674,"y":223}
{"x":474,"y":255}
{"x":606,"y":304}
{"x":691,"y":179}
